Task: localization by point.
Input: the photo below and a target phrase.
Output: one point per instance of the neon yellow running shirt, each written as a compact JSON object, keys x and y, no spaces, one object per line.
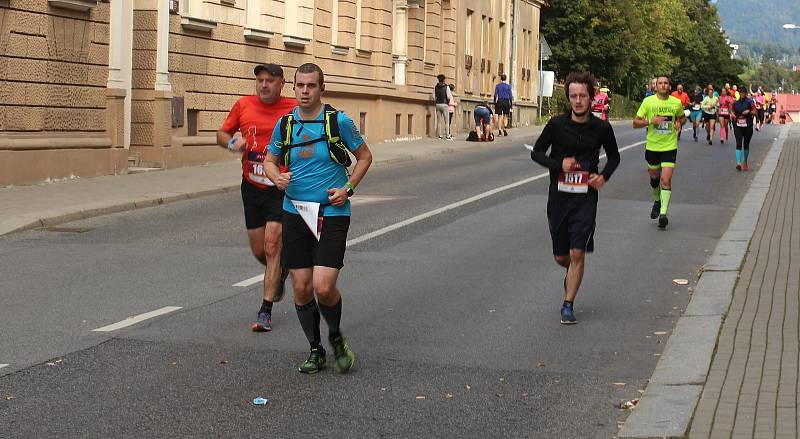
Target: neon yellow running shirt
{"x":663,"y":137}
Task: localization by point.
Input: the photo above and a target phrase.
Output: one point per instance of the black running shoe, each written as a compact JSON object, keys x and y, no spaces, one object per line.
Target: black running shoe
{"x":655,"y":210}
{"x":662,"y":221}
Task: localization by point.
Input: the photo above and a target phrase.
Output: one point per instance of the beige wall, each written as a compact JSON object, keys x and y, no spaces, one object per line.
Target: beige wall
{"x":53,"y":72}
{"x":380,"y":59}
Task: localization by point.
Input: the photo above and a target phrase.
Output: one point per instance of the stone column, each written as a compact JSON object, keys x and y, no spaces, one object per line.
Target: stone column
{"x":118,"y":93}
{"x":400,"y":41}
{"x":162,"y":129}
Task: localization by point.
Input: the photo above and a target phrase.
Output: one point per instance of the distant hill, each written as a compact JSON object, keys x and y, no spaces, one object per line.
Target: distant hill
{"x":760,"y":21}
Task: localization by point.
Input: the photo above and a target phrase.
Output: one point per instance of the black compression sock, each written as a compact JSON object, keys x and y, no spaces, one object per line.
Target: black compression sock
{"x":266,"y":306}
{"x":308,"y":315}
{"x":332,"y":315}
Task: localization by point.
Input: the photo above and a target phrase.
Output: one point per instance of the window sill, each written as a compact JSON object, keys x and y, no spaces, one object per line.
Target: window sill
{"x":363,"y":53}
{"x":75,"y":5}
{"x":296,"y":42}
{"x":340,"y":50}
{"x":257,"y":34}
{"x":429,"y":65}
{"x":198,"y":24}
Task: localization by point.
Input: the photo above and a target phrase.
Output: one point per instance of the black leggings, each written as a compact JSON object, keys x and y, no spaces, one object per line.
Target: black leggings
{"x":743,"y":136}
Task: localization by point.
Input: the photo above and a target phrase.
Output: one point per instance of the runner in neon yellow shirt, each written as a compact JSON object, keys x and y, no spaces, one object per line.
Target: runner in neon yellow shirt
{"x":661,"y":114}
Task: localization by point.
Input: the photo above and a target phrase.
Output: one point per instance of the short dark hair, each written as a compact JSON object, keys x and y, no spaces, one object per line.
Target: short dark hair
{"x":310,"y":67}
{"x":441,"y":77}
{"x":584,"y":78}
{"x":272,"y":69}
{"x":502,"y":76}
{"x":662,"y":75}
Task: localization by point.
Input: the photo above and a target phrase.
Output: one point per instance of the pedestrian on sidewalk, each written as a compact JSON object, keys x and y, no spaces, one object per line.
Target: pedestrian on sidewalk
{"x":574,"y":140}
{"x":255,"y":117}
{"x":312,"y":146}
{"x":503,"y":102}
{"x":441,"y":96}
{"x":451,"y":109}
{"x":484,"y":125}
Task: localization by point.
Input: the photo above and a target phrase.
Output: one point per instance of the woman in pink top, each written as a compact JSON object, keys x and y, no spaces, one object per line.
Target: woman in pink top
{"x":451,"y":106}
{"x":758,"y":98}
{"x":725,"y":111}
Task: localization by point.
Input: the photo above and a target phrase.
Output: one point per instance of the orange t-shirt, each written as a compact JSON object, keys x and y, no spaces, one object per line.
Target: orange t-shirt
{"x":682,"y":96}
{"x":256,"y":121}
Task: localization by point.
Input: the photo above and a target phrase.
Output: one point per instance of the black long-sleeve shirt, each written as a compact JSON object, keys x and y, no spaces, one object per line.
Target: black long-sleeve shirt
{"x":567,"y":138}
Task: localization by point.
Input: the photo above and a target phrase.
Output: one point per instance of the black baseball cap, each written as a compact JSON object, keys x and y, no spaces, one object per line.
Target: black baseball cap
{"x":272,"y":69}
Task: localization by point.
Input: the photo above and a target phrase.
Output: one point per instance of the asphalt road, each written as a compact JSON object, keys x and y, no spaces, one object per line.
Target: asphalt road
{"x":454,"y":318}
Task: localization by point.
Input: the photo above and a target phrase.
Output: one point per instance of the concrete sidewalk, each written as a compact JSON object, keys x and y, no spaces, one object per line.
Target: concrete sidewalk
{"x":740,"y":381}
{"x":44,"y":205}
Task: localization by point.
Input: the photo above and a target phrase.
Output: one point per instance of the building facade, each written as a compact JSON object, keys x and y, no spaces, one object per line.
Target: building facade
{"x":93,"y":87}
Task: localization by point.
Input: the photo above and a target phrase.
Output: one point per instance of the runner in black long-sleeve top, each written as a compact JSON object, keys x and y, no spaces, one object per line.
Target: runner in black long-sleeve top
{"x":574,"y":140}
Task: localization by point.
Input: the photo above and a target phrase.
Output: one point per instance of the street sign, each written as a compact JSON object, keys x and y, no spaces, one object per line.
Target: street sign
{"x":546,"y":80}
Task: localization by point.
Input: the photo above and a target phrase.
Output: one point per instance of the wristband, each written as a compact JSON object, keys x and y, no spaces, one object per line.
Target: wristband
{"x":231,"y":144}
{"x":350,"y":189}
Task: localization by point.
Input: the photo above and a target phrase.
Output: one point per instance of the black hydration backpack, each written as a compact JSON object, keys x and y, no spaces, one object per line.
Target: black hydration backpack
{"x":337,"y":150}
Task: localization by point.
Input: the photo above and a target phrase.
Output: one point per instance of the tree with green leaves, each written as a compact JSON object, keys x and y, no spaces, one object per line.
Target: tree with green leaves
{"x":626,"y":42}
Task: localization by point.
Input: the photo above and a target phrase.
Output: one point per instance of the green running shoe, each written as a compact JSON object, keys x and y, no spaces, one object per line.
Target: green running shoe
{"x":315,"y":361}
{"x":344,"y":359}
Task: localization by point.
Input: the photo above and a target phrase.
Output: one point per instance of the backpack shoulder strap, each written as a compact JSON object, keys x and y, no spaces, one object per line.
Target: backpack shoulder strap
{"x":285,"y":128}
{"x":337,"y":149}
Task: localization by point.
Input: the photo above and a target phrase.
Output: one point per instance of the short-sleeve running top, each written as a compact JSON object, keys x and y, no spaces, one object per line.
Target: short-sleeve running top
{"x":313,"y":171}
{"x":663,"y":137}
{"x":256,"y":121}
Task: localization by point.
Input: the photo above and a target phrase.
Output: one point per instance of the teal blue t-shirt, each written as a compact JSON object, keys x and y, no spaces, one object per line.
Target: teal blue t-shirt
{"x":313,"y":171}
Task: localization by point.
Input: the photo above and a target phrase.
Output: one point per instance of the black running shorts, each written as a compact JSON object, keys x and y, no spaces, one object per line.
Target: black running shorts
{"x":709,"y":116}
{"x":660,"y":159}
{"x":503,"y":106}
{"x":572,"y":223}
{"x":301,"y":248}
{"x":261,"y":205}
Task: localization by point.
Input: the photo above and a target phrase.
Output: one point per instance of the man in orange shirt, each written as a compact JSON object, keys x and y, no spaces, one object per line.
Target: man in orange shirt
{"x":684,"y":98}
{"x":255,"y":117}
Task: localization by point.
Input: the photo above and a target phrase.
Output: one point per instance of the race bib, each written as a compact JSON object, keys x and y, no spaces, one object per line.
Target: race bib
{"x":723,"y":111}
{"x":696,"y":107}
{"x":309,"y":211}
{"x":741,"y":122}
{"x":664,"y":127}
{"x":573,"y":182}
{"x":258,"y":175}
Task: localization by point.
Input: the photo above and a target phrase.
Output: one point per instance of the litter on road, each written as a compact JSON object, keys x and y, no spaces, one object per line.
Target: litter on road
{"x":681,"y":281}
{"x":260,"y":401}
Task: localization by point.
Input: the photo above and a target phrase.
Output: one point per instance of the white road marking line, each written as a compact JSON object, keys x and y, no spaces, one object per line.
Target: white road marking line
{"x":458,"y":204}
{"x":136,"y":319}
{"x":3,"y":365}
{"x":252,"y":281}
{"x":418,"y":218}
